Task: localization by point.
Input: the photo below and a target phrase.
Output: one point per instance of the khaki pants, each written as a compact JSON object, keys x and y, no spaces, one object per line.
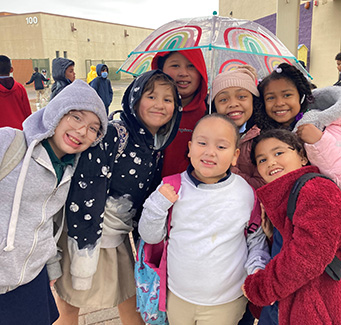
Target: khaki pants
{"x":40,"y":94}
{"x":181,"y":312}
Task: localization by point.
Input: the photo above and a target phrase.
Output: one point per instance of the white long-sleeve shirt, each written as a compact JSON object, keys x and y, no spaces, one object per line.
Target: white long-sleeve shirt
{"x":207,"y":250}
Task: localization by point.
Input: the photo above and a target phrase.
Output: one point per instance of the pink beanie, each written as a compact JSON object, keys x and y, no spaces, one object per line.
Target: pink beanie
{"x":243,"y":76}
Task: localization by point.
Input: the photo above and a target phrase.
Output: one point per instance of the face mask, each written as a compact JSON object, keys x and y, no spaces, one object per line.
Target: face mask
{"x":104,"y":74}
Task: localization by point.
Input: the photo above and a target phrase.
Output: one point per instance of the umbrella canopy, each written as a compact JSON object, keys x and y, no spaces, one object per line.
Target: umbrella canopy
{"x":225,"y":42}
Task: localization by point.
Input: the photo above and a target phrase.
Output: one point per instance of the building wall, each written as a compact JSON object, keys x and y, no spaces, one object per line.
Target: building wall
{"x":319,"y":25}
{"x":40,"y":35}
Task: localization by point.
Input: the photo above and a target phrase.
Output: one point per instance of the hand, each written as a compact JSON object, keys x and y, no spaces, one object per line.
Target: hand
{"x":309,"y":133}
{"x":168,"y":192}
{"x":52,"y":282}
{"x":243,"y":289}
{"x":266,"y":224}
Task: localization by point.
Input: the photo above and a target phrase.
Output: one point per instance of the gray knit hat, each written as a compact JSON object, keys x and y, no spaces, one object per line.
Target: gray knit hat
{"x":244,"y":76}
{"x":77,"y":96}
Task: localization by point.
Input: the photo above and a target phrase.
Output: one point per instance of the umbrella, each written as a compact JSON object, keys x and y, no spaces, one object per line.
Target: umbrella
{"x":225,"y":42}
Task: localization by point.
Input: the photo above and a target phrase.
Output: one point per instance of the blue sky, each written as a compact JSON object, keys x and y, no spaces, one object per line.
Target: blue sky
{"x":141,"y":13}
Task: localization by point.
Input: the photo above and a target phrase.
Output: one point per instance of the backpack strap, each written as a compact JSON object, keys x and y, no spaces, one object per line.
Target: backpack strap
{"x":14,"y":154}
{"x":175,"y":181}
{"x":334,"y":268}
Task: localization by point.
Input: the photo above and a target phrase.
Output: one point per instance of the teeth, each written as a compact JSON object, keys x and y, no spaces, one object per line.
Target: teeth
{"x":183,"y":82}
{"x":235,"y":114}
{"x":280,"y":112}
{"x":73,"y":140}
{"x":208,"y":162}
{"x":275,"y":171}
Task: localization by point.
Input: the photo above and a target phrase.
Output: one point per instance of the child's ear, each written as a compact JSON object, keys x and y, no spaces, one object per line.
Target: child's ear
{"x":304,"y":161}
{"x":189,"y":149}
{"x":10,"y":71}
{"x":235,"y":157}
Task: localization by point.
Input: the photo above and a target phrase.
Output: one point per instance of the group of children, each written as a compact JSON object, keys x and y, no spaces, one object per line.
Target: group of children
{"x":258,"y":138}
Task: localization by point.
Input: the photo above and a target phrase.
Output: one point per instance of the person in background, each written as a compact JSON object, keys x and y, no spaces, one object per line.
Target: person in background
{"x":338,"y":66}
{"x":38,"y":80}
{"x":63,"y":73}
{"x":92,"y":74}
{"x":103,"y":85}
{"x":14,"y":104}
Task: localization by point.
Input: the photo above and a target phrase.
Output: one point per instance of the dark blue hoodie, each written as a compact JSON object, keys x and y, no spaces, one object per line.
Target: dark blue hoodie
{"x":59,"y":66}
{"x":103,"y":87}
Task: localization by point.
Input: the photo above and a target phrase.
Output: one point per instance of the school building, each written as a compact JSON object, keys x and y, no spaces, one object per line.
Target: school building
{"x":35,"y":39}
{"x":319,"y":38}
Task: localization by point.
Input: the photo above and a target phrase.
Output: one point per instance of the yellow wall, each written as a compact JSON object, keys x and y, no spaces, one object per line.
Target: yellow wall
{"x":49,"y":33}
{"x":326,"y":31}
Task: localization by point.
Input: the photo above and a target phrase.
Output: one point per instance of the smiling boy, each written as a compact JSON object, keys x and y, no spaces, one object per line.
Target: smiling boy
{"x":207,"y":238}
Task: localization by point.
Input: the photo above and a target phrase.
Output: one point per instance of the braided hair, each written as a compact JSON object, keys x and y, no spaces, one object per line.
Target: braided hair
{"x":292,"y":75}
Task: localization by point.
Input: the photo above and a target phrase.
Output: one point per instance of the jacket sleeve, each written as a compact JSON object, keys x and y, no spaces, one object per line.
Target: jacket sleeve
{"x":153,"y":223}
{"x":111,"y":93}
{"x":326,"y":153}
{"x":314,"y":242}
{"x":258,"y":251}
{"x":94,"y":84}
{"x":30,"y":81}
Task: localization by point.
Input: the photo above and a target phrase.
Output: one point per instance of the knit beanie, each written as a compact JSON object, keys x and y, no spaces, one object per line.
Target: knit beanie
{"x":243,"y":76}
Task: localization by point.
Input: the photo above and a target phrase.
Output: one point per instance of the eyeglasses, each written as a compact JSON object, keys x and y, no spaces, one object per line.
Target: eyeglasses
{"x":93,"y":133}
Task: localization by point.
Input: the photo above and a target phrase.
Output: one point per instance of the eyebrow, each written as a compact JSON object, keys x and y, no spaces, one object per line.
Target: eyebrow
{"x":273,"y":149}
{"x":282,"y":91}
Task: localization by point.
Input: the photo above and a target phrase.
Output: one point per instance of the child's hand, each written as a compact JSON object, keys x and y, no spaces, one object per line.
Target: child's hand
{"x":168,"y":192}
{"x":244,"y":293}
{"x":266,"y":224}
{"x":309,"y":133}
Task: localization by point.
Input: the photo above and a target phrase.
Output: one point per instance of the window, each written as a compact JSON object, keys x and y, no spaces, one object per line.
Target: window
{"x":57,"y":54}
{"x":65,"y":54}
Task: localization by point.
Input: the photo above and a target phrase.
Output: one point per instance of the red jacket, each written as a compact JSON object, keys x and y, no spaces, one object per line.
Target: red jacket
{"x":14,"y":105}
{"x":175,"y":155}
{"x":296,"y":277}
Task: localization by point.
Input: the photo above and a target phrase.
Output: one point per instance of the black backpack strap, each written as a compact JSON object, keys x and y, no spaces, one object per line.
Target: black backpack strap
{"x":334,"y":268}
{"x":291,"y":207}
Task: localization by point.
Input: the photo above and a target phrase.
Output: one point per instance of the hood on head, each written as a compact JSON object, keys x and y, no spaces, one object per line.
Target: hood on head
{"x":99,"y":68}
{"x":59,"y":66}
{"x":77,"y":96}
{"x":196,"y":57}
{"x":132,"y":96}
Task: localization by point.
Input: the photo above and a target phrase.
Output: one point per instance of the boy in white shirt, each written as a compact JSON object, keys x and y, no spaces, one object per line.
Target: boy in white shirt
{"x":208,"y":254}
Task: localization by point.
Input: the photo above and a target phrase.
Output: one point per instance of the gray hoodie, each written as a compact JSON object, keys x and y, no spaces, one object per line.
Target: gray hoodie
{"x":29,"y":194}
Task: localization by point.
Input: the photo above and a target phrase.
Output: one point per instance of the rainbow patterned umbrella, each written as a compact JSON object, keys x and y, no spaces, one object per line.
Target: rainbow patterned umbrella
{"x":225,"y":42}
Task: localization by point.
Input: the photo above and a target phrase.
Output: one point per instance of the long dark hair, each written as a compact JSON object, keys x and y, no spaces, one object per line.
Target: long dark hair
{"x":291,"y":74}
